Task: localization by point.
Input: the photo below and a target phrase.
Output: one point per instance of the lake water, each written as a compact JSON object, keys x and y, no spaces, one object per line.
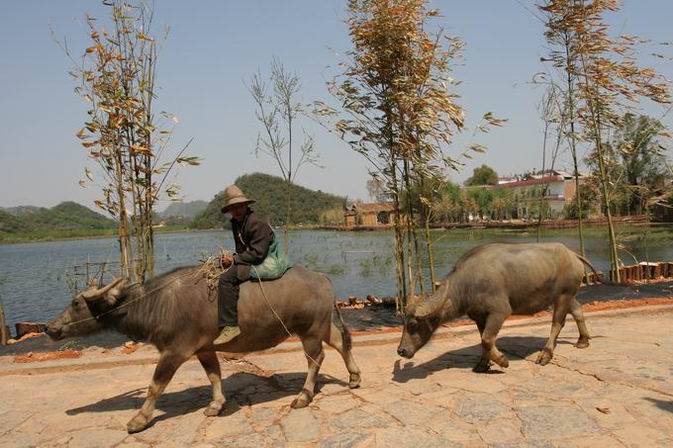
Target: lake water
{"x":33,"y":276}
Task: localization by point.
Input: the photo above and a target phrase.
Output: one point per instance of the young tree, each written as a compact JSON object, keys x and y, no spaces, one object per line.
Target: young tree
{"x":395,"y":110}
{"x":375,"y":187}
{"x":607,"y":81}
{"x":637,"y":147}
{"x":394,"y":105}
{"x":122,"y":134}
{"x":277,"y":109}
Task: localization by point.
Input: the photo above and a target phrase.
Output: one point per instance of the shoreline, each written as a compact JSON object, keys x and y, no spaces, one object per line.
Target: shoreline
{"x":113,"y":234}
{"x":483,"y":225}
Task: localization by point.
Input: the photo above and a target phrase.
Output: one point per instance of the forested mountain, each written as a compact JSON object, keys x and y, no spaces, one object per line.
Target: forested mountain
{"x":64,"y":220}
{"x":270,"y":192}
{"x":186,"y":210}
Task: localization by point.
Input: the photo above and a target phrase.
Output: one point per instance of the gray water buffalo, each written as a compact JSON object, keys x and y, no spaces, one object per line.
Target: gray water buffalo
{"x":178,"y":314}
{"x":493,"y":281}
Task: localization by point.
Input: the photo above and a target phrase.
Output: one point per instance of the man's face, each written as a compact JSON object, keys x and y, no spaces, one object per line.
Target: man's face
{"x":238,"y":211}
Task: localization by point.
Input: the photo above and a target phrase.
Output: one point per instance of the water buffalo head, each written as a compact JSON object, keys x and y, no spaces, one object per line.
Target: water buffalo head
{"x":80,"y":317}
{"x":416,"y":332}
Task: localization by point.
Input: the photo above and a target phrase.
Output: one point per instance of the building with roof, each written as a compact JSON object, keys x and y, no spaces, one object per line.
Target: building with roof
{"x":369,"y":215}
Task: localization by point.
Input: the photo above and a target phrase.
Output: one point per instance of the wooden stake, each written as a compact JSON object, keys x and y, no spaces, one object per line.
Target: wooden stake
{"x":4,"y":333}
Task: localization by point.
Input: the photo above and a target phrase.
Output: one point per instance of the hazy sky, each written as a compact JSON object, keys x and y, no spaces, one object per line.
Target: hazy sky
{"x":215,"y":46}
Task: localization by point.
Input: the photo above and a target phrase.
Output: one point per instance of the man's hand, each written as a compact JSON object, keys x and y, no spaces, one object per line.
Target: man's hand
{"x":226,"y":261}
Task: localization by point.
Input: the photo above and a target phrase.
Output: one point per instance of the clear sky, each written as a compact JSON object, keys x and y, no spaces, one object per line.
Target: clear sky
{"x":214,"y":46}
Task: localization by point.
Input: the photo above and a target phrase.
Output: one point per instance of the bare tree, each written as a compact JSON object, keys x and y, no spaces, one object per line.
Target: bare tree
{"x":277,"y":110}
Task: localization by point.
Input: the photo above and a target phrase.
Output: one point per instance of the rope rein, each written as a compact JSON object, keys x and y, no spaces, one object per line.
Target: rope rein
{"x":268,"y":302}
{"x":142,"y":296}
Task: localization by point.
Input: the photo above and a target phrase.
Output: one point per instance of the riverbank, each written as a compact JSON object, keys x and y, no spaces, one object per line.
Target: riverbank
{"x":617,"y":392}
{"x":521,"y":225}
{"x":7,"y":238}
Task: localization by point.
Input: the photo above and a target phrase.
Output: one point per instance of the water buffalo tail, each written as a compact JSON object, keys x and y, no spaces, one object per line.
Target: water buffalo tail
{"x":338,"y":320}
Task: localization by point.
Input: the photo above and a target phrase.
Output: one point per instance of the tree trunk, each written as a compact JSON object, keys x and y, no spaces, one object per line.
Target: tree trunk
{"x":125,"y":250}
{"x":431,"y":256}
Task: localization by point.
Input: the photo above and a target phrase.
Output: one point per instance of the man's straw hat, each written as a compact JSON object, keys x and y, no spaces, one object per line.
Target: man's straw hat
{"x":233,"y":196}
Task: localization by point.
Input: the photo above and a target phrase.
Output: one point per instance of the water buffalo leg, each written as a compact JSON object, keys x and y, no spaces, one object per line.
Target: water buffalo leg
{"x":211,"y":365}
{"x":336,"y":341}
{"x":168,"y":364}
{"x":578,"y":315}
{"x":489,"y":352}
{"x":315,"y":355}
{"x":561,"y":308}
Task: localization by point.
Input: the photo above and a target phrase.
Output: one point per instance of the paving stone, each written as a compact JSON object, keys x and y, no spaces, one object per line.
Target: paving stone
{"x":554,"y":422}
{"x":454,"y":430}
{"x":300,"y":426}
{"x":184,"y":430}
{"x":380,"y":395}
{"x":527,"y":444}
{"x":613,"y":415}
{"x":636,"y":436}
{"x":347,"y":440}
{"x":253,"y":440}
{"x":263,"y":415}
{"x":500,"y":431}
{"x":224,"y":426}
{"x":274,"y":433}
{"x":337,"y":404}
{"x":103,"y":438}
{"x":361,"y":418}
{"x":475,"y":408}
{"x":17,"y":439}
{"x":132,"y":443}
{"x":599,"y":441}
{"x":412,"y":413}
{"x":411,"y":438}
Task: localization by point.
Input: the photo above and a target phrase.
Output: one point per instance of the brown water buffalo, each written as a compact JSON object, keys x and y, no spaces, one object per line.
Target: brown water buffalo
{"x":493,"y":281}
{"x":178,"y":314}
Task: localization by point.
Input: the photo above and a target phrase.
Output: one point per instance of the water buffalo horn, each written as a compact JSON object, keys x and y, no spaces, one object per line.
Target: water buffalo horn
{"x":91,"y":295}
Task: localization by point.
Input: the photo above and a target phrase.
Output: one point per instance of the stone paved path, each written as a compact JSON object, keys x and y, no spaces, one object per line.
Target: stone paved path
{"x":616,"y":393}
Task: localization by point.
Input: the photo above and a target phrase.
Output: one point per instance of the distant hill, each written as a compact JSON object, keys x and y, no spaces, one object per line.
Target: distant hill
{"x":68,"y":219}
{"x":270,"y":192}
{"x":184,"y":209}
{"x":20,"y":210}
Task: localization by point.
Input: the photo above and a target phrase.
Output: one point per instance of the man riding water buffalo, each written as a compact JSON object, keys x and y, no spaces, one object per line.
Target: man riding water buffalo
{"x":253,"y":238}
{"x":175,"y":312}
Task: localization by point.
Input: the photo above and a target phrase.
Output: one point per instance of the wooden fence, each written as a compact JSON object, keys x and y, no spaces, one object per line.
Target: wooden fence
{"x":640,"y":272}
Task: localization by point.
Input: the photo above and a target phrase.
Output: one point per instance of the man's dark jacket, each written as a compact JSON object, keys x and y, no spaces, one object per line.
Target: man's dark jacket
{"x":253,"y":236}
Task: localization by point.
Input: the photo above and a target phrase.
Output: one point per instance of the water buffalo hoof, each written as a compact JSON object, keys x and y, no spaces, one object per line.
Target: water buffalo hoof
{"x":354,"y":382}
{"x":502,"y":361}
{"x":544,"y":357}
{"x":302,"y":400}
{"x":213,"y":409}
{"x":136,"y":424}
{"x":582,"y":343}
{"x":482,"y":367}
